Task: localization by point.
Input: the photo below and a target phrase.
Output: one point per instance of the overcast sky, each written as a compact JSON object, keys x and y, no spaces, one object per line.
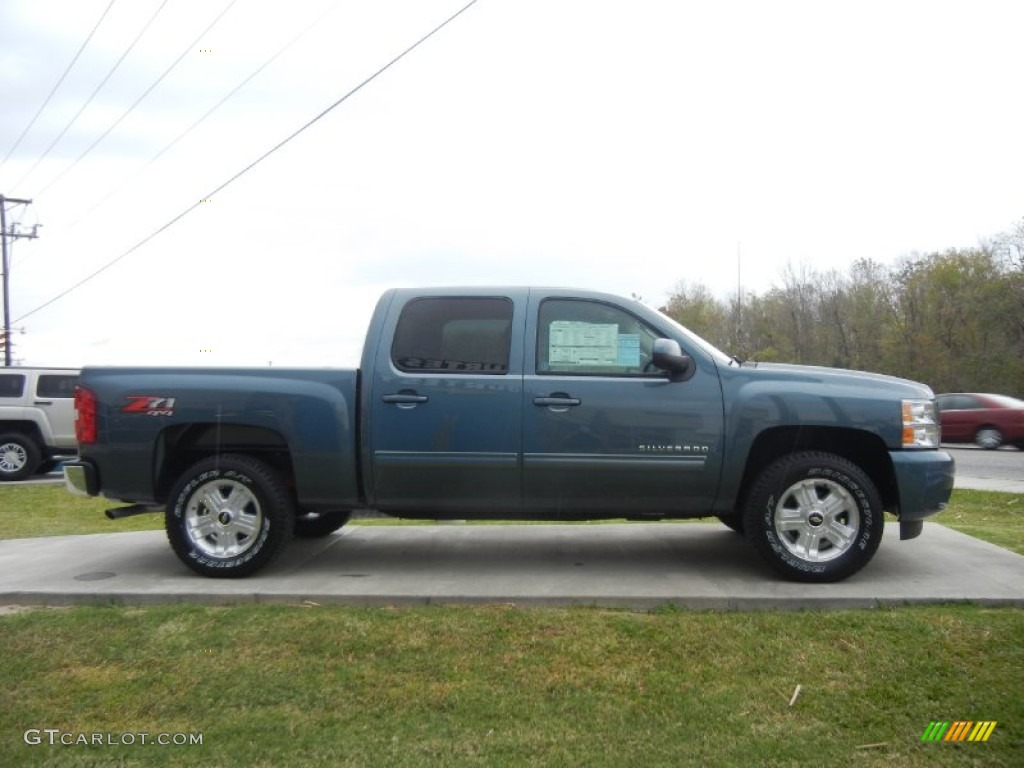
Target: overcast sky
{"x":620,"y":146}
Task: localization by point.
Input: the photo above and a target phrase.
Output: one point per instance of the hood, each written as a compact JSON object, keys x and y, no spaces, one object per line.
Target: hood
{"x":841,"y":377}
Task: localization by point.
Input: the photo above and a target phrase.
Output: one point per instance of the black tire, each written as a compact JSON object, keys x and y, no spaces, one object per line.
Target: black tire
{"x":19,"y":456}
{"x":988,"y":438}
{"x":315,"y":525}
{"x":255,"y":519}
{"x":814,"y":517}
{"x":732,"y":522}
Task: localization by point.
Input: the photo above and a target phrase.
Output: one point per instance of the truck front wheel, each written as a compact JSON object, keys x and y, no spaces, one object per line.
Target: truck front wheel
{"x":814,"y":517}
{"x":228,"y":516}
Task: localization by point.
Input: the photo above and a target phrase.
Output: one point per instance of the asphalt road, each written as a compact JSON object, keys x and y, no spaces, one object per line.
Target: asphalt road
{"x":1004,"y":464}
{"x":1001,"y":470}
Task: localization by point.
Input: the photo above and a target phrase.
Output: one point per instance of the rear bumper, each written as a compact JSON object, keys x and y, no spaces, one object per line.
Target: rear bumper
{"x":80,"y":478}
{"x":925,"y":482}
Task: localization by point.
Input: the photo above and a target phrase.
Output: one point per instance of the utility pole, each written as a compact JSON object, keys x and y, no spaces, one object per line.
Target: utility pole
{"x":13,"y":235}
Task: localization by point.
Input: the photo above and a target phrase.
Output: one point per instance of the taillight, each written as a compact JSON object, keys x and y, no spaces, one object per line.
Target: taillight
{"x":85,"y":416}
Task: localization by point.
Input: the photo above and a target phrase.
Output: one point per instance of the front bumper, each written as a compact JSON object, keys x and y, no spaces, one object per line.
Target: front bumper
{"x":80,"y":478}
{"x":924,"y":480}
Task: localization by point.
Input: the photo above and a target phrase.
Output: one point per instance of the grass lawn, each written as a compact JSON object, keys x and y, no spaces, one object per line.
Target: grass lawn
{"x":51,"y":510}
{"x":987,"y":515}
{"x":310,"y":686}
{"x":280,"y":685}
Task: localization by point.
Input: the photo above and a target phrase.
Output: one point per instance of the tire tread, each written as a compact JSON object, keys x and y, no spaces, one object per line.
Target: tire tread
{"x":278,"y":507}
{"x":780,"y":475}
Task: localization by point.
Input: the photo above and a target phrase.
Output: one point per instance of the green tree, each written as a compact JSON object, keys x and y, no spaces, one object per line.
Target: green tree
{"x":954,"y":320}
{"x":693,"y":305}
{"x":871,"y":309}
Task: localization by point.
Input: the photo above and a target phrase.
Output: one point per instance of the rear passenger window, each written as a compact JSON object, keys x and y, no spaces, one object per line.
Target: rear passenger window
{"x":454,"y":335}
{"x":51,"y":385}
{"x":12,"y":385}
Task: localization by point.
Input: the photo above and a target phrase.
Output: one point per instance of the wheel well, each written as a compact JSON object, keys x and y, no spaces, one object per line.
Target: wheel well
{"x":27,"y":428}
{"x":864,"y":449}
{"x":181,"y":446}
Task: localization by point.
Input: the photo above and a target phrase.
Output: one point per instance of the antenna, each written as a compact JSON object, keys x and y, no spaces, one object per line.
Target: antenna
{"x":739,"y":293}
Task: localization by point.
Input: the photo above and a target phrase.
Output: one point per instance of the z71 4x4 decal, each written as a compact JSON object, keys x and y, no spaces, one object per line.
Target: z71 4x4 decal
{"x":149,"y":405}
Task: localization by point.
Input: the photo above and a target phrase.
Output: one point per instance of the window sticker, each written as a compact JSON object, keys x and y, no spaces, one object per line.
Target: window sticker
{"x":572,"y":343}
{"x":629,"y":350}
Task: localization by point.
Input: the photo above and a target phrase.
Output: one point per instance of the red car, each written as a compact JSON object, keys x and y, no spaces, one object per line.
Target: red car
{"x":987,"y":420}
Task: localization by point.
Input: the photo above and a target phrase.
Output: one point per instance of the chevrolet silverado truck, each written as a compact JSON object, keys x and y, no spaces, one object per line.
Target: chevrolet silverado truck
{"x":521,"y":403}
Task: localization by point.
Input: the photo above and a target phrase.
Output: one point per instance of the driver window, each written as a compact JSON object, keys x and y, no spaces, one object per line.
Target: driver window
{"x":579,"y":337}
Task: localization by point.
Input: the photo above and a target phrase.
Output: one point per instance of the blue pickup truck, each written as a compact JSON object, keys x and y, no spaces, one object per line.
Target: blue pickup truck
{"x":516,"y":403}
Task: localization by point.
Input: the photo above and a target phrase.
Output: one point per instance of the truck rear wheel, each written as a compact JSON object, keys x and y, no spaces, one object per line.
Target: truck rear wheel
{"x":228,"y":516}
{"x":814,"y":517}
{"x":19,"y":456}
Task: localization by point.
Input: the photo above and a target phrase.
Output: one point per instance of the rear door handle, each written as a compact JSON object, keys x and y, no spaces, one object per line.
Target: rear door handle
{"x":405,"y":399}
{"x":43,"y":402}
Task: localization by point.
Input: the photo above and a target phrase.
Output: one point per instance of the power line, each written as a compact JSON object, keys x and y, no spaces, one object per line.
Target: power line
{"x":205,"y":115}
{"x":55,"y":87}
{"x":166,"y":72}
{"x":92,"y":96}
{"x":254,"y":163}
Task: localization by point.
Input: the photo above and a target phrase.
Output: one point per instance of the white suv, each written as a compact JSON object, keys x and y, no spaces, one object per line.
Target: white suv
{"x":37,"y":419}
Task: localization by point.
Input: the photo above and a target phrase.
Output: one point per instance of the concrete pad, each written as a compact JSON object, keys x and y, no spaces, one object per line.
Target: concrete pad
{"x":636,"y":565}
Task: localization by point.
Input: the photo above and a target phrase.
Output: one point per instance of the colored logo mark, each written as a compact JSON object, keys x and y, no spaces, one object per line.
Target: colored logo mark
{"x":959,"y":730}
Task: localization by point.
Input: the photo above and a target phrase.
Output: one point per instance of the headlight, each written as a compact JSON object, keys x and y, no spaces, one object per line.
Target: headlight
{"x":920,"y":424}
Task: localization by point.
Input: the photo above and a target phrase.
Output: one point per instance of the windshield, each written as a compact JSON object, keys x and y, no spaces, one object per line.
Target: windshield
{"x":719,"y":356}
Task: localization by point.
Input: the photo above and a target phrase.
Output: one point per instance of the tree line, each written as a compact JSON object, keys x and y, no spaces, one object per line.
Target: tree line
{"x":954,"y":320}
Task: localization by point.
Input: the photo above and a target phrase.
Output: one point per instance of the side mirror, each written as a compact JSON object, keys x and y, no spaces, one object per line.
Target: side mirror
{"x":668,"y":356}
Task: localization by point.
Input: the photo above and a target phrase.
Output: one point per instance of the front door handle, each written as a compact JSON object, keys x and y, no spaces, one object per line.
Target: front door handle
{"x":549,"y":401}
{"x":557,"y":402}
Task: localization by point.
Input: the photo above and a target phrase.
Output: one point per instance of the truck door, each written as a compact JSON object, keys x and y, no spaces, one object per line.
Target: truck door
{"x":445,"y":430}
{"x":603,"y":431}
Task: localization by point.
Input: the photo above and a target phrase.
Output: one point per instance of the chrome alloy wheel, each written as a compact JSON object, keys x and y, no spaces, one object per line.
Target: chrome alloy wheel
{"x":223,"y":518}
{"x":13,"y":457}
{"x":817,"y":520}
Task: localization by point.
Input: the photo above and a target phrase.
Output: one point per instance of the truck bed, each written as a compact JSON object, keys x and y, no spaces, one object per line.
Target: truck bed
{"x":311,"y":412}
